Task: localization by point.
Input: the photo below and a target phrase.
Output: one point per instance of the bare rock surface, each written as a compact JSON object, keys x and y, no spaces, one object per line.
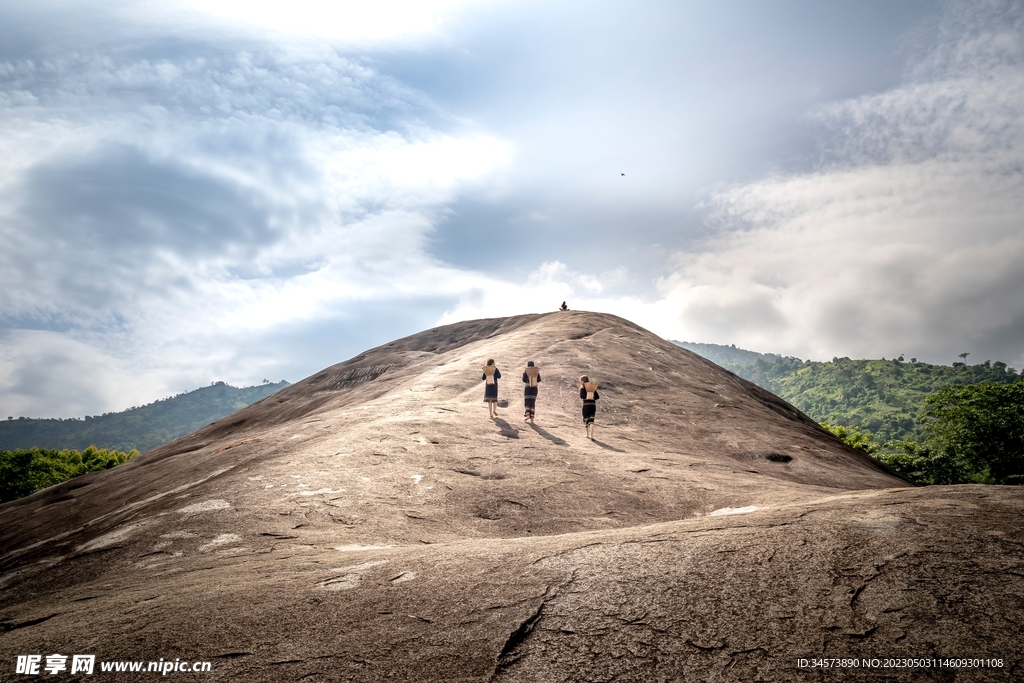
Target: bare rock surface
{"x":371,"y":522}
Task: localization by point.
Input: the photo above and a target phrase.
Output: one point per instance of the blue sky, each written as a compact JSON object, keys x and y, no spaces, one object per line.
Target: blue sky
{"x":234,"y":191}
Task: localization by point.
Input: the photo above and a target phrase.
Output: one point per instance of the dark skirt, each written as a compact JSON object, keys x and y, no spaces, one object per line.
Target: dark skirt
{"x":589,"y":413}
{"x":491,"y":392}
{"x":531,"y":405}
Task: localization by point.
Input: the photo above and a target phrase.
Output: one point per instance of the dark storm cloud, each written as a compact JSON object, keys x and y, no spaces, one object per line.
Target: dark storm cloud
{"x":120,"y":202}
{"x":97,"y":230}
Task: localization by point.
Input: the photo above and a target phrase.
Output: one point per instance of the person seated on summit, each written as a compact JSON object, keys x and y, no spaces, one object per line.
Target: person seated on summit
{"x":588,"y":392}
{"x":531,"y":377}
{"x":490,"y":377}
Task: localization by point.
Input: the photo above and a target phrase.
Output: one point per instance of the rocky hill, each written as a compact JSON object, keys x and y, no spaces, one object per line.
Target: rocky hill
{"x":371,"y":522}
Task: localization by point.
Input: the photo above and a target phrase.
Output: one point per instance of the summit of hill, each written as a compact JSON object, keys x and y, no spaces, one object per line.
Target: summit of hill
{"x":371,"y":521}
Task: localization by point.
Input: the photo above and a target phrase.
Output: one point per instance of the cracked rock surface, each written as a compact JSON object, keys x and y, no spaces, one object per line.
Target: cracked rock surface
{"x":371,"y":522}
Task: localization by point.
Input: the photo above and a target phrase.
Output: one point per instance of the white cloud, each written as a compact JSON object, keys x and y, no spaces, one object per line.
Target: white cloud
{"x":158,"y":231}
{"x":38,"y":365}
{"x":176,"y":199}
{"x":347,"y":21}
{"x":908,"y":241}
{"x":545,"y":288}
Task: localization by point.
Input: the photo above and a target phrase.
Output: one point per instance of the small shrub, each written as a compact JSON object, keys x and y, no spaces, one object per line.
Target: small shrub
{"x":854,"y":437}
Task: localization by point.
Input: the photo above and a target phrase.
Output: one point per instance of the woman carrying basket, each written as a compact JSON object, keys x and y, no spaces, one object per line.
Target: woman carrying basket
{"x":588,"y":392}
{"x":490,"y":377}
{"x":531,"y":378}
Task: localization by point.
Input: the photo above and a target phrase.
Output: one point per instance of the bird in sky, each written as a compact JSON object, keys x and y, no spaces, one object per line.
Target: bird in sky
{"x":622,"y":174}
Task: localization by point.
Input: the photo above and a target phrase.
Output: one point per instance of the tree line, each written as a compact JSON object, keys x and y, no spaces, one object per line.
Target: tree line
{"x":26,"y":471}
{"x":971,"y":434}
{"x":934,"y":424}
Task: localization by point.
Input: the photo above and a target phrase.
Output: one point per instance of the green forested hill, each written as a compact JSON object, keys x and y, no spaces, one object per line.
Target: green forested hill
{"x":882,"y":396}
{"x":138,"y":428}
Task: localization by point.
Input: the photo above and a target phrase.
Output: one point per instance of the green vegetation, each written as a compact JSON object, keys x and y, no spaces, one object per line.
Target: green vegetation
{"x":26,"y":471}
{"x":140,"y":428}
{"x":972,"y":434}
{"x":934,"y":424}
{"x":854,"y":437}
{"x":981,"y":426}
{"x":884,"y":397}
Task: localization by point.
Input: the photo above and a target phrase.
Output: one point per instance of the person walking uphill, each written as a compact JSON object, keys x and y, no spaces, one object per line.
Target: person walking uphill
{"x":531,"y":378}
{"x":588,"y":392}
{"x":490,"y":377}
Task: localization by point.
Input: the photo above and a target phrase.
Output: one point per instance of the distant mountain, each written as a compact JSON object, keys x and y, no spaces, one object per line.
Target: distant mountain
{"x":730,"y":355}
{"x":141,"y":428}
{"x":882,"y":396}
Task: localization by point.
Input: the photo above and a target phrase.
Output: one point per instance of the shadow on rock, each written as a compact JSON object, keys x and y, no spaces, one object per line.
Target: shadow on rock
{"x":506,"y":429}
{"x":607,"y":447}
{"x":549,"y":436}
